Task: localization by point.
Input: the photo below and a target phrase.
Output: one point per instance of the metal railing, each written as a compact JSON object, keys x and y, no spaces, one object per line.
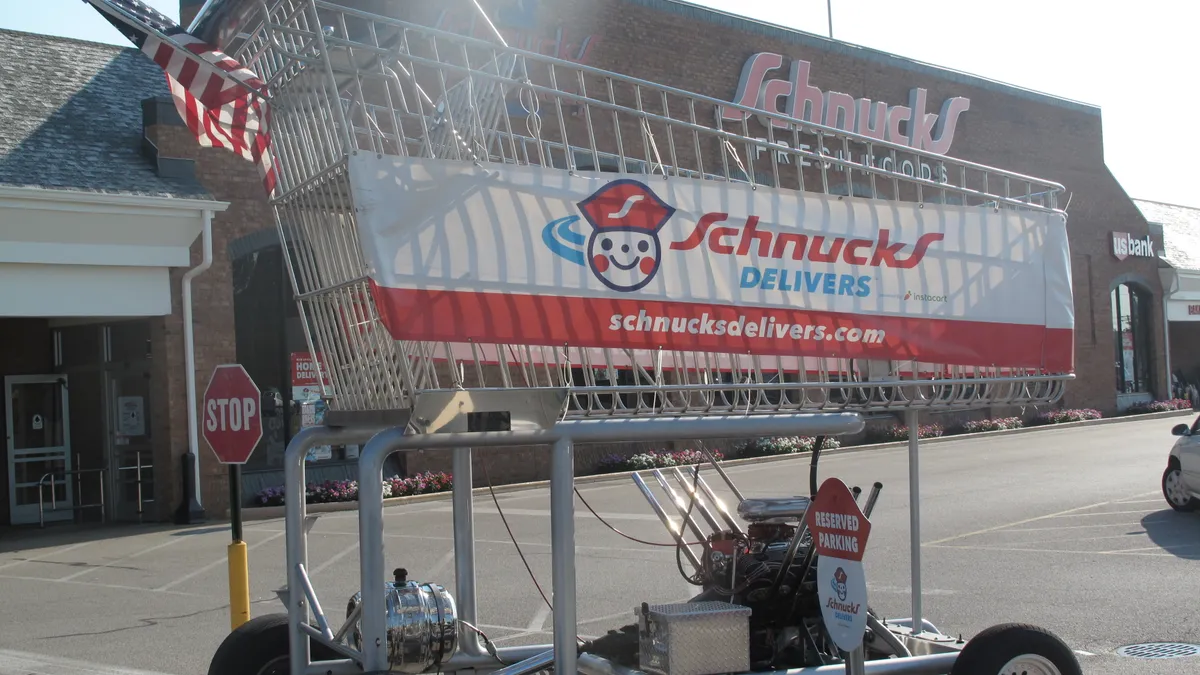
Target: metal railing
{"x":78,"y":474}
{"x":55,"y":478}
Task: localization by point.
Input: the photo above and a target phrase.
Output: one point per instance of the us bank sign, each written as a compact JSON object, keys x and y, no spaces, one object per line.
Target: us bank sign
{"x":910,"y":125}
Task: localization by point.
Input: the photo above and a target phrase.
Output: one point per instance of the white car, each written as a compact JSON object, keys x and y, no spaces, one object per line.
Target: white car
{"x":1181,"y":480}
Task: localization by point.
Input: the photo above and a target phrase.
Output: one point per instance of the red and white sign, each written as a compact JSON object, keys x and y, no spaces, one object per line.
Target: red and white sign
{"x":840,"y":530}
{"x":838,"y":526}
{"x":232,"y":416}
{"x":525,"y":255}
{"x":304,"y":370}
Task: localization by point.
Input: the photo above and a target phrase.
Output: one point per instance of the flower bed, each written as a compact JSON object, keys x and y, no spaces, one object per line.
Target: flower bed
{"x":991,"y":424}
{"x":655,"y":459}
{"x":347,"y":490}
{"x":1160,"y":406}
{"x":899,"y":432}
{"x":782,"y":445}
{"x":1067,"y":415}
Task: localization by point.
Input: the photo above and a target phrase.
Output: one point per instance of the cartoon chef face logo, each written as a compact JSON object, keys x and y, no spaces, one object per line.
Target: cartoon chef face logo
{"x":623,"y":250}
{"x":838,"y":582}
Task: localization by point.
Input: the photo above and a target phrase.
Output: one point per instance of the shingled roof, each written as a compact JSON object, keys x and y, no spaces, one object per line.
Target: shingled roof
{"x":1181,"y":231}
{"x":71,"y":117}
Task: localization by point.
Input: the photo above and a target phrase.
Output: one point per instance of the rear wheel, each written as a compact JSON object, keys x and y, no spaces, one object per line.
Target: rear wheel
{"x":260,"y":647}
{"x":1016,"y":649}
{"x":1175,"y":490}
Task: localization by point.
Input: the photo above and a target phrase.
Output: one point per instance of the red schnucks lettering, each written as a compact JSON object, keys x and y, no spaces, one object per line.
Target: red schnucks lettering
{"x":749,"y":240}
{"x":697,"y":234}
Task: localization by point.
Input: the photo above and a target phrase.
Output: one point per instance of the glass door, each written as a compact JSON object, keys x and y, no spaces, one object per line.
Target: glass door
{"x":39,"y":448}
{"x":131,"y":479}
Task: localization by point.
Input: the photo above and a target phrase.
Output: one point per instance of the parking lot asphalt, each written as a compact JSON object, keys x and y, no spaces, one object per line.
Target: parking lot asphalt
{"x":1063,"y":528}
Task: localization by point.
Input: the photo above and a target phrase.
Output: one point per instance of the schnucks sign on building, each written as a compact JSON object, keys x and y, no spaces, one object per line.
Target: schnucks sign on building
{"x":524,"y":255}
{"x":795,"y":97}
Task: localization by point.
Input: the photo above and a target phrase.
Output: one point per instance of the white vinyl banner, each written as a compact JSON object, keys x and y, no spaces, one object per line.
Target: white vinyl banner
{"x":525,"y":255}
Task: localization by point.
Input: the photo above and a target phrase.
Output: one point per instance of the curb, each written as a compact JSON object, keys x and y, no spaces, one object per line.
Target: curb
{"x":271,"y":512}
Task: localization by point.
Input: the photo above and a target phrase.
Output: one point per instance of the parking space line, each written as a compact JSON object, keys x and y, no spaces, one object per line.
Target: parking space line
{"x":1060,"y":540}
{"x":538,"y":622}
{"x":1005,"y":526}
{"x":98,"y":585}
{"x":325,"y":565}
{"x":45,"y":555}
{"x":1015,"y":549}
{"x":169,"y":542}
{"x":1102,"y":513}
{"x":426,"y":537}
{"x":1164,"y":547}
{"x":440,"y":565}
{"x":215,"y":564}
{"x":1081,"y":527}
{"x":24,"y":663}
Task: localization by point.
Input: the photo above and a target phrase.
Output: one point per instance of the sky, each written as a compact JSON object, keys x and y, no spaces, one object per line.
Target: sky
{"x":1137,"y":64}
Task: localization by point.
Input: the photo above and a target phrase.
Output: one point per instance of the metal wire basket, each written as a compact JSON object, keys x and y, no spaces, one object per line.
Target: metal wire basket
{"x":344,"y":82}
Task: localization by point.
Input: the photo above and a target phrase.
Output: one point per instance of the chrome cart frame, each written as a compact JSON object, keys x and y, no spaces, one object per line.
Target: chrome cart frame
{"x":935,"y":658}
{"x":344,"y":82}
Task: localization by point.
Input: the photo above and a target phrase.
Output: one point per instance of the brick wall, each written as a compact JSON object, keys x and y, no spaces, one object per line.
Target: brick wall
{"x":234,"y":180}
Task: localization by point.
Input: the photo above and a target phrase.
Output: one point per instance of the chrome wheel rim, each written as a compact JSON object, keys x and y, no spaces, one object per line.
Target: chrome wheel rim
{"x":1030,"y":664}
{"x":1175,"y":491}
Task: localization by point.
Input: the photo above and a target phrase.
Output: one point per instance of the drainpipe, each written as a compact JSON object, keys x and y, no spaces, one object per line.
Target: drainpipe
{"x":1174,"y":286}
{"x":189,"y":348}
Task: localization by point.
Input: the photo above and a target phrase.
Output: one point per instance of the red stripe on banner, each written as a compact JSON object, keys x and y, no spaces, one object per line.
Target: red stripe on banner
{"x":463,"y":316}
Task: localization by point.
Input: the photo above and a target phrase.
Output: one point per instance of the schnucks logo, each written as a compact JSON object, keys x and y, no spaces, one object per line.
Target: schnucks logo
{"x":623,"y":249}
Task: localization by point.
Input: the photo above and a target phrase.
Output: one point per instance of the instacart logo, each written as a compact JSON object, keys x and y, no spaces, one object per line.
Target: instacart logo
{"x":924,"y":297}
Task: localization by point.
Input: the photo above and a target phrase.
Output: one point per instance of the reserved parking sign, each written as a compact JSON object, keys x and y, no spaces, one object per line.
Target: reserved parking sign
{"x":840,"y":532}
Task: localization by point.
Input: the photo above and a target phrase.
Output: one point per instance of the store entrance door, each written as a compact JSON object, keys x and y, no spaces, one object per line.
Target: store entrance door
{"x":39,"y":446}
{"x":130,"y":452}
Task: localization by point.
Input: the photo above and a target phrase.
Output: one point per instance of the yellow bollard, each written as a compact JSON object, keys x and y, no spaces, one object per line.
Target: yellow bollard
{"x":239,"y":585}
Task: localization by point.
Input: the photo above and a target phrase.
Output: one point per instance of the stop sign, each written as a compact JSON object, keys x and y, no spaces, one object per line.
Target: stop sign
{"x":232,"y":419}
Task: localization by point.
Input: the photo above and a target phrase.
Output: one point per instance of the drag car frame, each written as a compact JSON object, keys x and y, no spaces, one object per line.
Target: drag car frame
{"x":925,"y":650}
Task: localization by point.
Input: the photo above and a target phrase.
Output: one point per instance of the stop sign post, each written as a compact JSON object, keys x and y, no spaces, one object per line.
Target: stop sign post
{"x":232,"y":424}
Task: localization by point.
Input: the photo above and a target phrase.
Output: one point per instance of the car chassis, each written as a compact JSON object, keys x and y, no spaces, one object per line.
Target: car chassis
{"x":385,"y":639}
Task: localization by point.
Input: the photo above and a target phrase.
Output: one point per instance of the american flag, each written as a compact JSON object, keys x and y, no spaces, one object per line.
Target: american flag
{"x":223,"y":104}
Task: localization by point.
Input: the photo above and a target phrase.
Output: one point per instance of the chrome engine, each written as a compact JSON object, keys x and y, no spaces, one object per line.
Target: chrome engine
{"x":765,"y":563}
{"x":422,"y":624}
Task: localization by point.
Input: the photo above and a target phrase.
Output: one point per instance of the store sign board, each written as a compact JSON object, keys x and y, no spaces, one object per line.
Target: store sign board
{"x":1124,"y":245}
{"x":796,"y":97}
{"x":531,"y":256}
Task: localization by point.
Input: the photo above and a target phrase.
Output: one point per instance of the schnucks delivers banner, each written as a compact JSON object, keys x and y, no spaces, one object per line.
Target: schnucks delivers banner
{"x":525,"y":255}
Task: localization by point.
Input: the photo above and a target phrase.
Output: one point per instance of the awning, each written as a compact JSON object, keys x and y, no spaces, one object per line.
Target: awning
{"x":1182,"y":288}
{"x":69,"y":253}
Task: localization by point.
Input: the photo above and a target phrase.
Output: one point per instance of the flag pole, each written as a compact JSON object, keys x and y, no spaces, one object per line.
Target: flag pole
{"x":829,"y":14}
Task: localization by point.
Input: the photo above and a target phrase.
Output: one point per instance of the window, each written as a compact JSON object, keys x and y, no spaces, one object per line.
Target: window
{"x":1132,"y":337}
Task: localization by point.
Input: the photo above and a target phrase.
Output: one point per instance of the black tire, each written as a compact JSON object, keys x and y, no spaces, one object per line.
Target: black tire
{"x":1174,"y":472}
{"x":989,"y":652}
{"x":260,"y":647}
